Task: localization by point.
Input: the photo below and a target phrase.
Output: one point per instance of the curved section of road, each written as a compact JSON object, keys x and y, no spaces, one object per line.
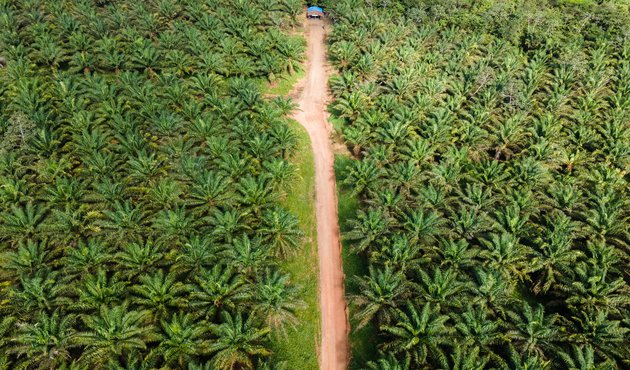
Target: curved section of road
{"x":312,"y":115}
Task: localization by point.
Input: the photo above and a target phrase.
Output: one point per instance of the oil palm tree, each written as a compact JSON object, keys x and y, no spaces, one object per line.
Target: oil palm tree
{"x":159,"y":293}
{"x":583,"y":358}
{"x":277,"y":301}
{"x":389,"y":362}
{"x":281,"y":232}
{"x":419,"y":334}
{"x":22,"y":222}
{"x":182,"y":340}
{"x":198,"y":254}
{"x":238,"y":341}
{"x":219,"y":288}
{"x":47,"y":342}
{"x":533,"y":331}
{"x":379,"y":295}
{"x":98,"y":289}
{"x":112,"y":333}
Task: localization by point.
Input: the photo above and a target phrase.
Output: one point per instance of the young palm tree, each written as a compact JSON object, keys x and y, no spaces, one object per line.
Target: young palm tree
{"x":182,"y":340}
{"x":97,"y":289}
{"x":47,"y":342}
{"x":441,"y":287}
{"x":281,"y":232}
{"x":238,"y":342}
{"x":379,"y":295}
{"x":389,"y":362}
{"x":419,"y":335}
{"x":533,"y":331}
{"x":112,"y":333}
{"x":22,"y":222}
{"x":277,"y":301}
{"x":159,"y":293}
{"x":583,"y":358}
{"x":217,"y":289}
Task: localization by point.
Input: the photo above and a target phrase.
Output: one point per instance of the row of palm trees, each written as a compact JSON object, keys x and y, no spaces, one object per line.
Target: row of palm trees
{"x":490,"y":149}
{"x":141,"y":179}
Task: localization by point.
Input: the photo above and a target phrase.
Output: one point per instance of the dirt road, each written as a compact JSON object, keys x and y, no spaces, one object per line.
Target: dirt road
{"x":312,"y":114}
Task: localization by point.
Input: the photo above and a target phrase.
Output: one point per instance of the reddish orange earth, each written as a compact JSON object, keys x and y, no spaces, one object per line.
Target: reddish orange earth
{"x":312,"y":115}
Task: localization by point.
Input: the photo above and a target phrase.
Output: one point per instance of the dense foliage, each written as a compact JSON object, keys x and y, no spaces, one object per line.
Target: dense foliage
{"x":141,"y":171}
{"x":491,"y":149}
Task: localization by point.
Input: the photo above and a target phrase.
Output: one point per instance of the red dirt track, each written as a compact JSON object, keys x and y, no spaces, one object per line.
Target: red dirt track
{"x":312,"y":114}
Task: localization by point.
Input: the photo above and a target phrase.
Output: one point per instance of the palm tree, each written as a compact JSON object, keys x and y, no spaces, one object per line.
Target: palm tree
{"x":22,"y":222}
{"x":247,"y":255}
{"x":507,"y":255}
{"x":400,"y":253}
{"x":468,"y":359}
{"x":556,"y":253}
{"x":174,"y":225}
{"x":379,"y":295}
{"x":182,"y":340}
{"x":39,"y":293}
{"x":591,"y":290}
{"x":419,"y":335}
{"x":281,"y":232}
{"x":533,"y":332}
{"x":277,"y":301}
{"x":583,"y":358}
{"x":526,"y":361}
{"x":112,"y":333}
{"x":238,"y":341}
{"x":442,"y":287}
{"x":209,"y":191}
{"x":389,"y":362}
{"x":422,"y":225}
{"x":362,"y":175}
{"x":255,"y":194}
{"x":125,"y":221}
{"x":457,"y":254}
{"x":478,"y":331}
{"x":159,"y":293}
{"x":292,"y":52}
{"x":47,"y":343}
{"x":219,"y":288}
{"x":493,"y":291}
{"x":98,"y":289}
{"x":138,"y":257}
{"x":198,"y":254}
{"x":602,"y":332}
{"x":29,"y":258}
{"x":368,"y":229}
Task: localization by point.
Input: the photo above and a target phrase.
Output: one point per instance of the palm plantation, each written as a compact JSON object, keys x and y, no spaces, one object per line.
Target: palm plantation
{"x":488,"y":152}
{"x":144,"y":173}
{"x":141,"y":182}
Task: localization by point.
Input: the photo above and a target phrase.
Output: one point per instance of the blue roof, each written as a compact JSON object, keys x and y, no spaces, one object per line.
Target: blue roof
{"x":315,"y":9}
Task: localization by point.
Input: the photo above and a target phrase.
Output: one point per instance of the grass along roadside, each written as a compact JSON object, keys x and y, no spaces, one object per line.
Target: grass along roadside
{"x":285,"y":83}
{"x":363,"y":341}
{"x":299,"y":347}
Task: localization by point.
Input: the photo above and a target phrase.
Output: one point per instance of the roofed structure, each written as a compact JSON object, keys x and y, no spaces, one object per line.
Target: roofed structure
{"x":314,"y":12}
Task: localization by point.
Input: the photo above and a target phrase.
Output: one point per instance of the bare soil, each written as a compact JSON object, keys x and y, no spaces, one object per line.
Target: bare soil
{"x":312,"y":95}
